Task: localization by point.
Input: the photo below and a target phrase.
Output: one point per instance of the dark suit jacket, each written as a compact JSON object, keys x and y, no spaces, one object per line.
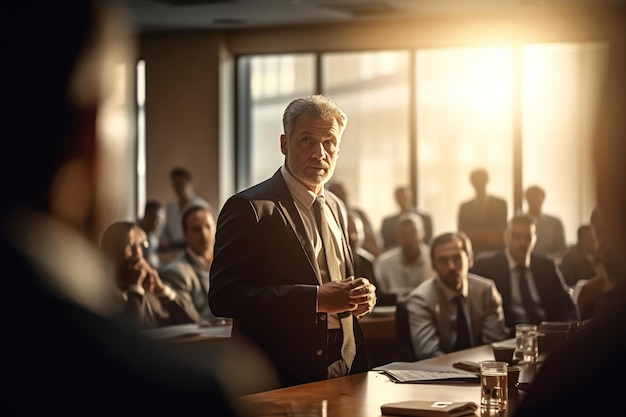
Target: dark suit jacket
{"x":494,"y":218}
{"x":265,"y":276}
{"x":553,"y":293}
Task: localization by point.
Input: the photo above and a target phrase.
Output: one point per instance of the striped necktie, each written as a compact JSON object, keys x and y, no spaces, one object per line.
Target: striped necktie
{"x":348,"y":347}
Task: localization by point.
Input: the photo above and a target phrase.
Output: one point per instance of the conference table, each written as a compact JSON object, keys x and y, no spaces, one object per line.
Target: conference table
{"x":362,"y":395}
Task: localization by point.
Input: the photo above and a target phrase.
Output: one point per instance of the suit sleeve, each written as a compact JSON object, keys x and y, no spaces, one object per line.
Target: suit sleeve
{"x":494,"y":328}
{"x":423,"y":325}
{"x":245,"y":282}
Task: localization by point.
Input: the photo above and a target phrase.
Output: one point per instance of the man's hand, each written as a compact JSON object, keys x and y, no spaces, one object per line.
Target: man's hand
{"x":364,"y":296}
{"x":356,"y":295}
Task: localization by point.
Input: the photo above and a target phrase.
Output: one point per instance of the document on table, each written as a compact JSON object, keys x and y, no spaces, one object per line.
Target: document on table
{"x":415,"y":373}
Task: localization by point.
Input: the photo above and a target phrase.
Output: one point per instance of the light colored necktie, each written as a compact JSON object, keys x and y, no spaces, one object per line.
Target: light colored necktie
{"x":348,"y":346}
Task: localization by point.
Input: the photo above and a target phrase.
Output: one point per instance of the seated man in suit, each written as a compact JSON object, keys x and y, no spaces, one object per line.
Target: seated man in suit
{"x":531,"y":284}
{"x":579,"y":263}
{"x":402,"y":268}
{"x":454,"y":310}
{"x":189,"y":272}
{"x":148,"y":302}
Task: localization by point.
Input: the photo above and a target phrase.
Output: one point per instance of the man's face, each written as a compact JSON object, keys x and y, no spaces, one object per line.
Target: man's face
{"x":451,"y":263}
{"x":180,"y":185}
{"x":520,"y":240}
{"x":136,"y":243}
{"x":409,"y":236}
{"x":154,"y":218}
{"x":355,"y":232}
{"x":200,"y":231}
{"x":311,"y":150}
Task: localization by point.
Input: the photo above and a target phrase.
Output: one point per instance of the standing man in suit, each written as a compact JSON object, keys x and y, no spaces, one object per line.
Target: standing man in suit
{"x":483,"y":219}
{"x":280,"y":273}
{"x":454,"y":310}
{"x":531,"y":284}
{"x":550,"y":231}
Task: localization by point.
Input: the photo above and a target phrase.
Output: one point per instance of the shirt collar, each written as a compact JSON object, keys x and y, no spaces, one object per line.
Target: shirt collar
{"x":513,"y":264}
{"x":198,"y":260}
{"x":301,"y":193}
{"x":450,"y":294}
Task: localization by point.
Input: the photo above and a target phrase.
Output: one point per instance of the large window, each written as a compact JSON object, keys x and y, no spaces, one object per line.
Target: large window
{"x":429,"y":117}
{"x":373,"y":89}
{"x":561,"y":83}
{"x":464,"y":121}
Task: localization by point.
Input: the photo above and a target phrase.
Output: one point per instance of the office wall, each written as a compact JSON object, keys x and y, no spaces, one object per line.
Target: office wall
{"x":183,"y":75}
{"x":182,"y":84}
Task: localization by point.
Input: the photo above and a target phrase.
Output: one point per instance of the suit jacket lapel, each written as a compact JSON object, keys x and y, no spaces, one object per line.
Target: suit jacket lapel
{"x":285,"y":203}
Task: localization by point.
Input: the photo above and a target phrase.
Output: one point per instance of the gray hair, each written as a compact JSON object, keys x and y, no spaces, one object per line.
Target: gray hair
{"x":317,"y":106}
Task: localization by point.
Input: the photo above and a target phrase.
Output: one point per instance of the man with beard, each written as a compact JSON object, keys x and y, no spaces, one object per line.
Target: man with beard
{"x":454,"y":310}
{"x":283,"y":268}
{"x":531,"y":284}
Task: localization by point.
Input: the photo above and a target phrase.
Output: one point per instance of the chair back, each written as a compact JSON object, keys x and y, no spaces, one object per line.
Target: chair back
{"x":403,"y":334}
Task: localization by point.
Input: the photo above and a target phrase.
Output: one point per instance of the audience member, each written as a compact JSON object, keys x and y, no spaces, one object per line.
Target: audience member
{"x":172,"y":236}
{"x":370,"y":240}
{"x":591,"y":297}
{"x":454,"y":310}
{"x":363,"y":259}
{"x":189,"y":272}
{"x":64,"y":346}
{"x":151,"y":223}
{"x":483,"y":219}
{"x":148,"y":302}
{"x":404,"y":198}
{"x":582,"y":377}
{"x":579,"y":263}
{"x":531,"y":284}
{"x":402,"y":268}
{"x":550,"y":232}
{"x":280,"y":273}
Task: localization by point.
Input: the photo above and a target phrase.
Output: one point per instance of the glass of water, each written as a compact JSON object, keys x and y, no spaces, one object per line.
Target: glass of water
{"x":494,"y":385}
{"x":526,"y":349}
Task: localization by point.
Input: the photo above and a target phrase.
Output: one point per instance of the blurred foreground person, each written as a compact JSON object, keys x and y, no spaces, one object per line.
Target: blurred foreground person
{"x":66,"y":355}
{"x":584,"y":377}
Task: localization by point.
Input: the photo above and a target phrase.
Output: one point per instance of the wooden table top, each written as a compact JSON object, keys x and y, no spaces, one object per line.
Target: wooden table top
{"x":362,"y":395}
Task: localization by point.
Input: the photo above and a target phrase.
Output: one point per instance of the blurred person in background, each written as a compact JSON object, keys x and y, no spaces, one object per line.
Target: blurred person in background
{"x":151,"y":223}
{"x":550,"y":231}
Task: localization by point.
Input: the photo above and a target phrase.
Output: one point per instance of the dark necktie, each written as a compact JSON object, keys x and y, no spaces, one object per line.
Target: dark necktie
{"x":462,"y":329}
{"x":348,"y":347}
{"x":527,"y":301}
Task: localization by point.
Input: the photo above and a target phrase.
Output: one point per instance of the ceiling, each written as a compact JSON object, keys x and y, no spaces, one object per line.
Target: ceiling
{"x":176,"y":15}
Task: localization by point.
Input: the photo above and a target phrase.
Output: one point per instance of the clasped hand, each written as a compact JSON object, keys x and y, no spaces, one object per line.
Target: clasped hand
{"x":355,"y":295}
